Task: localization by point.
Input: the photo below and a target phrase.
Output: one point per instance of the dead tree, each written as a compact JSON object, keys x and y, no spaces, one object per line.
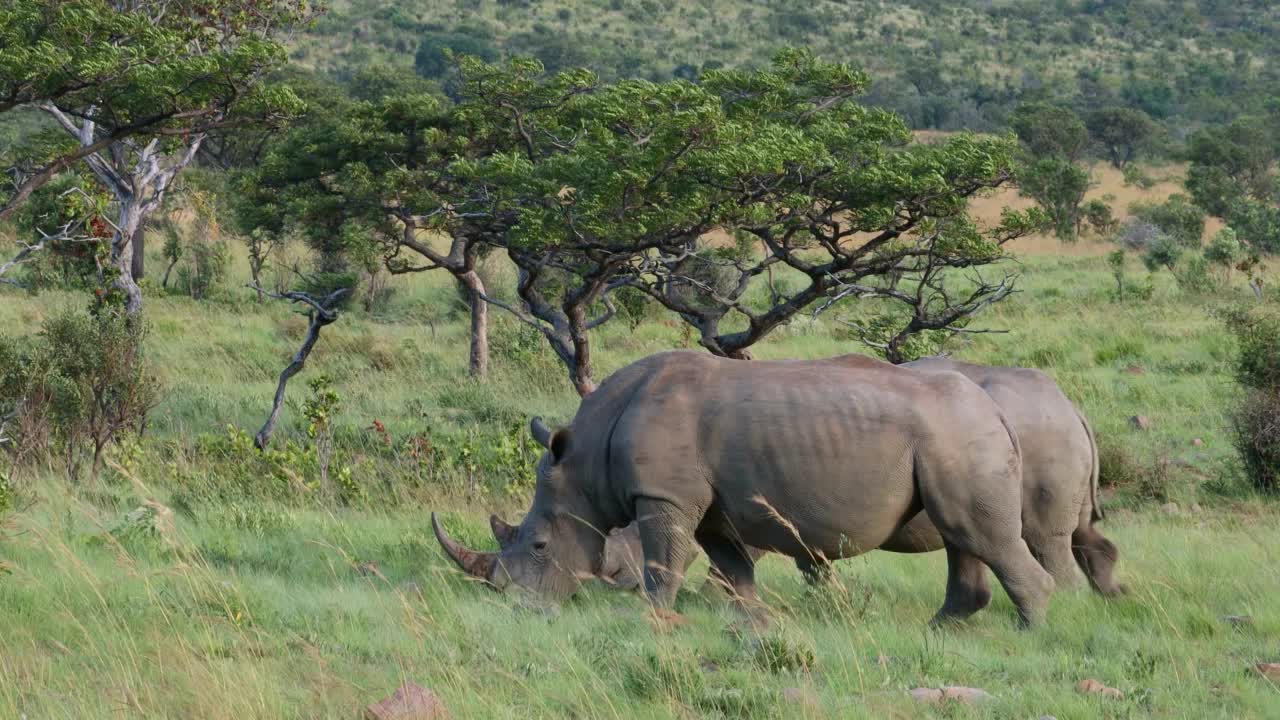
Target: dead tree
{"x":323,"y":312}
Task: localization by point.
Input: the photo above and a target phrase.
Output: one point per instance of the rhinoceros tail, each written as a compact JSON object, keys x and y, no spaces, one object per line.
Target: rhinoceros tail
{"x":1095,"y":495}
{"x":1013,"y":437}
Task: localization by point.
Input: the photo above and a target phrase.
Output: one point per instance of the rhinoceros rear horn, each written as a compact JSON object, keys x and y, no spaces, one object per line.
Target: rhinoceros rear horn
{"x":540,"y":432}
{"x":475,"y":564}
{"x":504,"y":533}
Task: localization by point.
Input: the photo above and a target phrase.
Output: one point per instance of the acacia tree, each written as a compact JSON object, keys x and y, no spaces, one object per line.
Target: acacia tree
{"x":1121,"y":131}
{"x":1054,"y":138}
{"x":137,"y":85}
{"x":398,"y":172}
{"x":833,"y":190}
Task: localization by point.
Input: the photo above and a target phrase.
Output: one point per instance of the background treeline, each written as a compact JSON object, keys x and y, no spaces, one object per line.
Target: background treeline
{"x":941,"y":64}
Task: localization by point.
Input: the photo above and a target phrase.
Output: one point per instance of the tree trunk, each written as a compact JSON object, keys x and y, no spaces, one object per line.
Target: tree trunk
{"x":139,"y":251}
{"x":128,"y":225}
{"x":479,"y":360}
{"x":580,"y":368}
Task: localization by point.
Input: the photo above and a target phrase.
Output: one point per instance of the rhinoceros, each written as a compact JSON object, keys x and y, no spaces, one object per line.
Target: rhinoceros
{"x":811,"y":459}
{"x":1059,"y":477}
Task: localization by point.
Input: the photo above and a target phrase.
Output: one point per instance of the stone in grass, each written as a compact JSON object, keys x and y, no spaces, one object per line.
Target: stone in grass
{"x":1141,"y":422}
{"x":410,"y":702}
{"x":937,"y":696}
{"x":1239,"y":621}
{"x":1093,"y":687}
{"x":1269,"y":670}
{"x":799,"y":696}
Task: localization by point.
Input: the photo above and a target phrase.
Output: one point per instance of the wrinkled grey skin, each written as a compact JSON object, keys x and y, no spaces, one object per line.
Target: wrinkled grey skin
{"x":623,"y":555}
{"x":810,"y":459}
{"x":1059,"y":478}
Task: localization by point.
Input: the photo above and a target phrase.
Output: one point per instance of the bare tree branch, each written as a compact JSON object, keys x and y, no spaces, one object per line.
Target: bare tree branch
{"x":323,"y":313}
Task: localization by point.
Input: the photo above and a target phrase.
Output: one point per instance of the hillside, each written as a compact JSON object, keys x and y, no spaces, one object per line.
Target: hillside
{"x":941,"y":63}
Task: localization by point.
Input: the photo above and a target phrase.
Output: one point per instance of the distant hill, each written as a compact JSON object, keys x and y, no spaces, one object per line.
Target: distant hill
{"x":943,"y":64}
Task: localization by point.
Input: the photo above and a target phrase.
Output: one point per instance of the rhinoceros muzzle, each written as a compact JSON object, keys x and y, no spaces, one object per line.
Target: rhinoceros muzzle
{"x":479,"y":565}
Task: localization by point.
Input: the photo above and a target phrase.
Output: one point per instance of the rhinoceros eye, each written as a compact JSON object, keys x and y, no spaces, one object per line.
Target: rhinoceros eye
{"x":540,"y":545}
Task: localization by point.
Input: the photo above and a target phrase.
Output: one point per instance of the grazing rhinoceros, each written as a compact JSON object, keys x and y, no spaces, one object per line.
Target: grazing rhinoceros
{"x":805,"y":458}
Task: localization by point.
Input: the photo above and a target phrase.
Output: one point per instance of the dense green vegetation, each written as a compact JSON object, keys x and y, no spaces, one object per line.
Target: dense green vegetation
{"x":940,"y":63}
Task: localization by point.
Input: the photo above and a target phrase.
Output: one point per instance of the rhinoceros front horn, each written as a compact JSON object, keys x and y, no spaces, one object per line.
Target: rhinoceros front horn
{"x":475,"y":564}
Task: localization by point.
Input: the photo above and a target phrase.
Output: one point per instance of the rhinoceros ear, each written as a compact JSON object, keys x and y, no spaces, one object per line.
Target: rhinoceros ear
{"x":540,"y":432}
{"x":505,"y":534}
{"x":559,"y":446}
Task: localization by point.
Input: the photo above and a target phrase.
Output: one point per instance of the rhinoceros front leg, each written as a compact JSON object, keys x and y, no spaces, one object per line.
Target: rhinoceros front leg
{"x":666,"y":537}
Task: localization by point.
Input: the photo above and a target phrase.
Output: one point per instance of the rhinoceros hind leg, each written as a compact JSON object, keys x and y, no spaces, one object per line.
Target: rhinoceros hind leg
{"x":1097,"y":557}
{"x":1056,"y":556}
{"x":967,"y":587}
{"x":666,"y":536}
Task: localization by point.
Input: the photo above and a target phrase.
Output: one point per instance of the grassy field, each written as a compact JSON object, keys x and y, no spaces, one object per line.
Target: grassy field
{"x":272,"y":604}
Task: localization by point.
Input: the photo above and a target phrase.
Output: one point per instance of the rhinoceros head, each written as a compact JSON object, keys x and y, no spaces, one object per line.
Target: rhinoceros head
{"x":555,"y":548}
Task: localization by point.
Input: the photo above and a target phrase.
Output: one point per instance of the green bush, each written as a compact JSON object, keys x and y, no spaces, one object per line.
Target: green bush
{"x":80,"y":387}
{"x":1256,"y":420}
{"x":1193,"y":276}
{"x":1178,"y":217}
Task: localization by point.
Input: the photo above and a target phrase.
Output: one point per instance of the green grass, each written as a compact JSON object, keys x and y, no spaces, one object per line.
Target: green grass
{"x":257,"y":609}
{"x":273,"y":620}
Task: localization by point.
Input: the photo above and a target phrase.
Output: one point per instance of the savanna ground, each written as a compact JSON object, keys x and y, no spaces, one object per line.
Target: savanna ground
{"x":267,"y":601}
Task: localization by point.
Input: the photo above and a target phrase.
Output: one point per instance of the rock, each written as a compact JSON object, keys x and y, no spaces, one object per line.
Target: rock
{"x":1270,"y":670}
{"x":369,"y":569}
{"x":1093,"y":687}
{"x":1238,"y":620}
{"x":411,"y":588}
{"x":1197,"y":442}
{"x":1136,"y":370}
{"x":410,"y":702}
{"x":1195,"y":508}
{"x":1142,"y":422}
{"x":937,"y":696}
{"x":799,"y":696}
{"x":1048,"y":717}
{"x":1170,"y":508}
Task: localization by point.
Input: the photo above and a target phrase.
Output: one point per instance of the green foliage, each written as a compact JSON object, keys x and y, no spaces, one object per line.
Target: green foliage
{"x":1162,"y":252}
{"x":1178,"y":217}
{"x":319,"y":411}
{"x":1256,"y":421}
{"x":80,"y":387}
{"x":1193,"y":276}
{"x":1058,"y":186}
{"x":1050,"y":132}
{"x":1126,"y":289}
{"x":1121,"y":131}
{"x":1135,"y":176}
{"x":1098,"y":215}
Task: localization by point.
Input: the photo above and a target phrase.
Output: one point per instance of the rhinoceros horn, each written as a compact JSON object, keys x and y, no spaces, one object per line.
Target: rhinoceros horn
{"x":503,"y":532}
{"x":475,"y":564}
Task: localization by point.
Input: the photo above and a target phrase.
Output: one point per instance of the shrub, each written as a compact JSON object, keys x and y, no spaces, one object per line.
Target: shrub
{"x":1134,"y":175}
{"x":1193,"y":276}
{"x":1177,"y":217}
{"x":1098,"y":215}
{"x":79,"y":388}
{"x":1164,"y":252}
{"x":1256,"y":425}
{"x":1256,"y":421}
